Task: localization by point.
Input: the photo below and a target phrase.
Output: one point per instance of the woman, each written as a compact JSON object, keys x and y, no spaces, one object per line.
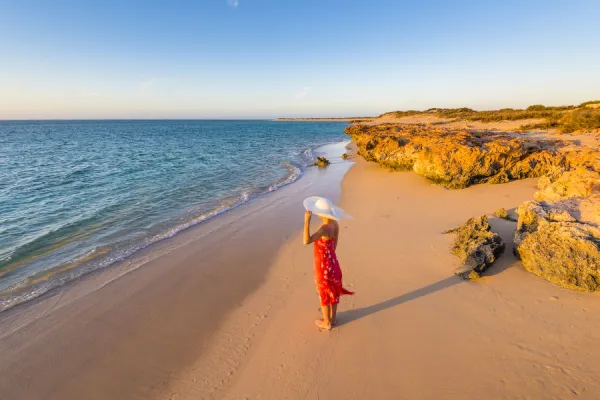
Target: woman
{"x":328,"y":275}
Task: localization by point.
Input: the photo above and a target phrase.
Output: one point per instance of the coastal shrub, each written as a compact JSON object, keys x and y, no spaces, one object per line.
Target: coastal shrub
{"x":536,"y":107}
{"x":580,"y":119}
{"x":322,"y":162}
{"x":541,"y":125}
{"x":591,"y":102}
{"x":344,"y":156}
{"x":566,"y":119}
{"x":463,"y":112}
{"x":400,"y":114}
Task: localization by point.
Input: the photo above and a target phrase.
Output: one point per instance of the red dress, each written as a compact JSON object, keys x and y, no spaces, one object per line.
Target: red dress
{"x":328,"y":275}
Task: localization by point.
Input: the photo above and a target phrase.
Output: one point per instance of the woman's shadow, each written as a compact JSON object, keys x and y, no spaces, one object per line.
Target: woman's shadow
{"x":352,"y":315}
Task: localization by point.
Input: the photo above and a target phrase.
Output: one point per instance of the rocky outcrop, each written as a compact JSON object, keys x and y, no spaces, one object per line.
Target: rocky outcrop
{"x":477,"y":247}
{"x":457,"y":158}
{"x":322,"y":162}
{"x":558,"y":234}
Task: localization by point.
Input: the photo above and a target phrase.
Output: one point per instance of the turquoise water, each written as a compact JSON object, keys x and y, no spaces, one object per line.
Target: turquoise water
{"x":76,"y":196}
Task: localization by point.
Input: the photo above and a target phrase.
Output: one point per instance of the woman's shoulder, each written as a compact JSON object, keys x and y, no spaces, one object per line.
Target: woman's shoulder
{"x":332,"y":229}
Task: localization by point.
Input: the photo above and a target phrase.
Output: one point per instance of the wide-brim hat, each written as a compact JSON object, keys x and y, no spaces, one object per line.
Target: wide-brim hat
{"x":324,"y":207}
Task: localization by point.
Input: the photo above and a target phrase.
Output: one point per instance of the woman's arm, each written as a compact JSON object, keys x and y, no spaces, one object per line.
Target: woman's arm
{"x":307,"y":237}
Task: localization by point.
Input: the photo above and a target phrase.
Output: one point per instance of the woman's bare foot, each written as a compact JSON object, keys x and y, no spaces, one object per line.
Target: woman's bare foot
{"x":333,"y":321}
{"x":323,"y":324}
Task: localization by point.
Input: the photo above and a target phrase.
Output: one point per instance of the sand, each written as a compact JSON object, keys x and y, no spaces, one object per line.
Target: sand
{"x":229,"y":312}
{"x":413,"y":330}
{"x":127,"y":333}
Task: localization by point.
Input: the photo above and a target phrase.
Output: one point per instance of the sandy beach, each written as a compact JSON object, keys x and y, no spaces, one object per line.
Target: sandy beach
{"x":413,"y":330}
{"x":160,"y":163}
{"x":129,"y":331}
{"x":228,"y":312}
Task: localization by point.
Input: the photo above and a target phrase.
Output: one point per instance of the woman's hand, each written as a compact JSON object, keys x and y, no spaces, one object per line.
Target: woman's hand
{"x":307,"y":216}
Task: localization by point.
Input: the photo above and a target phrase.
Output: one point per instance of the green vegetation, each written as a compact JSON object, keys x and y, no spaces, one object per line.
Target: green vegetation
{"x":566,"y":119}
{"x":322,"y":162}
{"x":536,"y":107}
{"x":587,"y":103}
{"x":401,"y":114}
{"x":580,"y":119}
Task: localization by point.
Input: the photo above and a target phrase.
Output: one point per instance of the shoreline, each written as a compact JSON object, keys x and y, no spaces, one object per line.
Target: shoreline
{"x":141,"y":326}
{"x":108,"y":257}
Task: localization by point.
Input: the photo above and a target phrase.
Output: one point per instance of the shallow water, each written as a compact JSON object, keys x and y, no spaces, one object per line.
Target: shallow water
{"x":77,"y":196}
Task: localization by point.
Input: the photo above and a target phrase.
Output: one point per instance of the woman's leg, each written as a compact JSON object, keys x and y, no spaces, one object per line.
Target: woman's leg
{"x":325,"y":323}
{"x":333,"y":313}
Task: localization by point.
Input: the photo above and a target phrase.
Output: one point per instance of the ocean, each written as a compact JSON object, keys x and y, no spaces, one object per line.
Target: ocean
{"x":79,"y":196}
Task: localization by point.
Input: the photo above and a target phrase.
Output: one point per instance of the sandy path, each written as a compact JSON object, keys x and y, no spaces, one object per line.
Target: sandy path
{"x":413,"y":330}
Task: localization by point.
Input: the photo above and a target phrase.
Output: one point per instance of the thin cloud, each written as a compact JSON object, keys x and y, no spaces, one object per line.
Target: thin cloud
{"x":148,"y":84}
{"x":155,"y":83}
{"x":302,"y":93}
{"x":233,"y":3}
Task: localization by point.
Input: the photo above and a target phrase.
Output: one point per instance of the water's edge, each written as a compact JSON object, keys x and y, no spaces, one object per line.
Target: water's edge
{"x":61,"y":276}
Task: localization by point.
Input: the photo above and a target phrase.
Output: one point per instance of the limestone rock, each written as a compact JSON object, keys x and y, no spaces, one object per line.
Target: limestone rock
{"x":458,"y":158}
{"x":322,"y":162}
{"x":558,"y":234}
{"x":501,"y":213}
{"x":477,"y":246}
{"x":578,"y":182}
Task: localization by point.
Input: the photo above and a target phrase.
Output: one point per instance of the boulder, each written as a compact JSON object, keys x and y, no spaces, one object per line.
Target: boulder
{"x":477,"y":247}
{"x":322,"y":162}
{"x":558,"y":234}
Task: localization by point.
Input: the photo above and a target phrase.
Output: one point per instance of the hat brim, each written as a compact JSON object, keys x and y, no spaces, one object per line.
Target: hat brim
{"x":336,"y":212}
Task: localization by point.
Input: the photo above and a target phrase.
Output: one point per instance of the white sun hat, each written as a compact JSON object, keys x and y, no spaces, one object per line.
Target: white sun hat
{"x":324,"y":208}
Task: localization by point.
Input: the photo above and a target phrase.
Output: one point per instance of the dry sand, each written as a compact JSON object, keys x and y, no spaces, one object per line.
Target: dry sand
{"x":230,"y":315}
{"x":413,"y":330}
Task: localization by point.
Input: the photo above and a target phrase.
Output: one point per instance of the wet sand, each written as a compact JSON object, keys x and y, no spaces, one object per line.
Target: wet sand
{"x":127,"y":333}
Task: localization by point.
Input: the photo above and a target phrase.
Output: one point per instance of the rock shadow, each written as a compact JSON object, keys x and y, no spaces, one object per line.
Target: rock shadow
{"x":506,"y":229}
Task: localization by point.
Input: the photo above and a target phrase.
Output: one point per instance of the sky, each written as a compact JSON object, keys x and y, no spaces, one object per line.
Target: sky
{"x":270,"y":58}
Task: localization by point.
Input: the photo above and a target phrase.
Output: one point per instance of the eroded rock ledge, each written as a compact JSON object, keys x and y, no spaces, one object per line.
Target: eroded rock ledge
{"x":457,"y":158}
